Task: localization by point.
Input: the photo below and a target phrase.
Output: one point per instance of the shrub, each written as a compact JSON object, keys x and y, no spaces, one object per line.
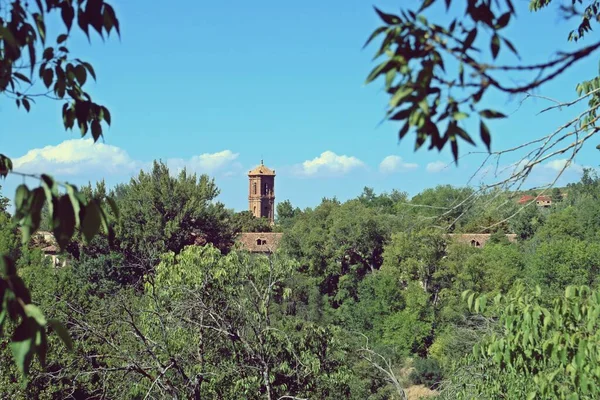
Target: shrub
{"x":427,"y":371}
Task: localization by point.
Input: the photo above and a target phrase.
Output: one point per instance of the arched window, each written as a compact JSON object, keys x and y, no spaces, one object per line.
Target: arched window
{"x":254,"y":187}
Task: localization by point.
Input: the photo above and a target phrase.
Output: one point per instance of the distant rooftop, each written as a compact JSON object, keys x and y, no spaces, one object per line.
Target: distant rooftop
{"x":261,"y":170}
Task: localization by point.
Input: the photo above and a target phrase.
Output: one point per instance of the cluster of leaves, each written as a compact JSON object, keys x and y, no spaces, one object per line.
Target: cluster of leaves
{"x":551,"y":351}
{"x":64,"y":77}
{"x":23,"y":40}
{"x":69,"y":213}
{"x":436,"y":75}
{"x":416,"y":54}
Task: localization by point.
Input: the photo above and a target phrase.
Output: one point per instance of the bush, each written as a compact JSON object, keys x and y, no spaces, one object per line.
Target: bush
{"x":427,"y":371}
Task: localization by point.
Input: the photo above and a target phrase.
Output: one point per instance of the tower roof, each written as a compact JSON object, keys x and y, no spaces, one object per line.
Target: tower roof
{"x":261,"y":170}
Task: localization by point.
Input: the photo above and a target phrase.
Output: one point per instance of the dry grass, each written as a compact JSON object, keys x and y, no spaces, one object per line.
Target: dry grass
{"x":417,"y":392}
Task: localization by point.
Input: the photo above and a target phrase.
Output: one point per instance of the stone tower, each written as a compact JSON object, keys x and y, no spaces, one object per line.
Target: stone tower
{"x":261,"y":192}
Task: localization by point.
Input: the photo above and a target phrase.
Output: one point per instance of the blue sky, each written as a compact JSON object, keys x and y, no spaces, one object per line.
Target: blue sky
{"x":215,"y":86}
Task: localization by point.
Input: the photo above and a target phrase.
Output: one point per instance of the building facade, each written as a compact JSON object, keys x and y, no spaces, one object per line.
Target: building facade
{"x":261,"y":192}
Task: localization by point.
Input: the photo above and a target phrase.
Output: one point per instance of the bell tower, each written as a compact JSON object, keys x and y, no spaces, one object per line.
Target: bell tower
{"x":261,"y":192}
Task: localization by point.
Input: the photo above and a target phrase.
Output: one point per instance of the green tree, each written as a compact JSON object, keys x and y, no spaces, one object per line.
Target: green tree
{"x":416,"y":257}
{"x":443,"y":204}
{"x":161,"y":213}
{"x":245,"y":221}
{"x":526,"y":223}
{"x":286,"y":214}
{"x":338,"y":243}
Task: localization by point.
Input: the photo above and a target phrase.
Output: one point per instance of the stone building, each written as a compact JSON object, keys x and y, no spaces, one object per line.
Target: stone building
{"x":540,"y":201}
{"x":259,"y":242}
{"x":261,"y":192}
{"x":477,"y":239}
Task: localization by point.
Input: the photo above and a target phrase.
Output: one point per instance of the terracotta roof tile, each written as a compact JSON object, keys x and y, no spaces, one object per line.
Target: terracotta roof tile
{"x":261,"y":170}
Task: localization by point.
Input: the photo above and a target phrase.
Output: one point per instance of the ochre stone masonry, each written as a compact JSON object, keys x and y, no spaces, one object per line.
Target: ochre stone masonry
{"x":261,"y":192}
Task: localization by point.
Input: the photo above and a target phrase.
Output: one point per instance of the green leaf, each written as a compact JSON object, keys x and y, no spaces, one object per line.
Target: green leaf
{"x":41,"y":27}
{"x":484,"y":132}
{"x":75,"y":202}
{"x":21,"y":195}
{"x":50,"y":191}
{"x":34,"y":312}
{"x":511,"y":47}
{"x":470,"y":39}
{"x":41,"y":344}
{"x":503,"y":20}
{"x":48,"y":77}
{"x":96,"y":130}
{"x":426,"y":4}
{"x":105,"y":114}
{"x":113,"y":205}
{"x":64,"y":221}
{"x":470,"y":301}
{"x":80,"y":74}
{"x":91,"y":220}
{"x":26,"y":104}
{"x":399,"y":95}
{"x":62,"y":332}
{"x":375,"y":33}
{"x":5,"y":165}
{"x":22,"y":345}
{"x":7,"y":265}
{"x":495,"y":45}
{"x":457,"y":116}
{"x":491,"y":114}
{"x":387,"y":18}
{"x":22,"y":77}
{"x":454,"y":148}
{"x":89,"y":68}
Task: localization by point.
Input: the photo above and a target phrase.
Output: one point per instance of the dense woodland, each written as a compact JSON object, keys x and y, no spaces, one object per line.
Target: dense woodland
{"x":364,"y":299}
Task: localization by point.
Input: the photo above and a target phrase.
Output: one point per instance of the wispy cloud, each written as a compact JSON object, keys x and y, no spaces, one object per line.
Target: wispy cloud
{"x":436,"y":166}
{"x":392,"y":164}
{"x":329,"y":163}
{"x":207,"y":163}
{"x":558,"y":165}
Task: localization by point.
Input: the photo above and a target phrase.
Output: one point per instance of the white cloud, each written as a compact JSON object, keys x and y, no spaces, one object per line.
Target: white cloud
{"x":205,"y":163}
{"x":559,"y":164}
{"x":436,"y":166}
{"x":76,"y":157}
{"x":85,"y":159}
{"x":330,"y":163}
{"x":392,"y":164}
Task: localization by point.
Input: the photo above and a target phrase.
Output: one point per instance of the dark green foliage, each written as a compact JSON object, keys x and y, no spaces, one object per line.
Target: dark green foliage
{"x":427,"y":371}
{"x":160,"y":213}
{"x":527,"y":221}
{"x":286,"y":214}
{"x":26,"y":54}
{"x":245,"y":221}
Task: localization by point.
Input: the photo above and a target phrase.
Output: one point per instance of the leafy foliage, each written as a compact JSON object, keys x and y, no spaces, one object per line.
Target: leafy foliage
{"x":547,"y":352}
{"x":426,"y":372}
{"x":437,"y":74}
{"x":25,"y":55}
